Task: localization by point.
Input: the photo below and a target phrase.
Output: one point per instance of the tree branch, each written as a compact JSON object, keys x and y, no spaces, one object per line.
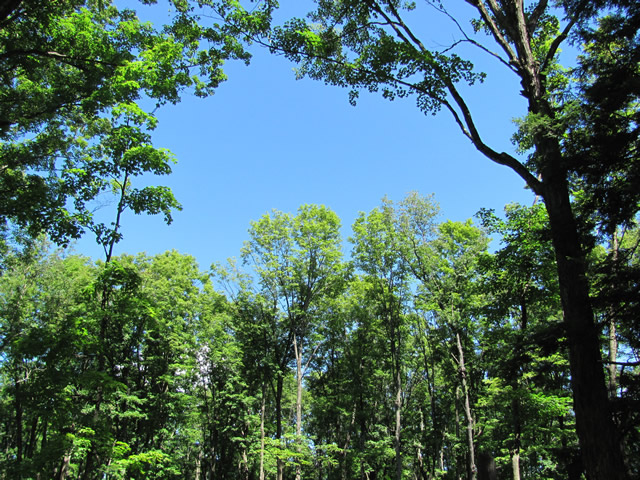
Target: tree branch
{"x":495,"y":31}
{"x":470,"y":40}
{"x":553,"y":49}
{"x":534,"y":18}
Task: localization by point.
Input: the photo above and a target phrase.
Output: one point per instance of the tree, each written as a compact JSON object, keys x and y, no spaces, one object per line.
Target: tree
{"x":43,"y":346}
{"x":448,"y":276}
{"x":74,"y":75}
{"x":377,"y":254}
{"x":375,"y":45}
{"x":160,"y":398}
{"x":524,"y":350}
{"x":298,"y":262}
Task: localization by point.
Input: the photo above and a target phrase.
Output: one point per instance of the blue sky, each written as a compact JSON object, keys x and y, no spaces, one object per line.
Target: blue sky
{"x":268,"y":141}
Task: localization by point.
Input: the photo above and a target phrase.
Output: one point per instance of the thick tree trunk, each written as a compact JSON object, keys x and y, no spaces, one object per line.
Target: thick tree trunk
{"x":487,"y":467}
{"x":515,"y":465}
{"x":597,"y":434}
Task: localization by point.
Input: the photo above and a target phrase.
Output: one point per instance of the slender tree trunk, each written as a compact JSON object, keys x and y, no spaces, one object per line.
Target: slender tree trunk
{"x":393,"y":322}
{"x":597,"y":434}
{"x":515,"y":385}
{"x":263,"y":407}
{"x":198,"y":464}
{"x":471,"y":469}
{"x":515,"y":465}
{"x":441,"y":455}
{"x":279,"y":388}
{"x":297,"y":350}
{"x":398,"y":432}
{"x":244,"y":468}
{"x":64,"y":465}
{"x":515,"y":450}
{"x":18,"y":412}
{"x":33,"y":435}
{"x":343,"y":468}
{"x":613,"y":339}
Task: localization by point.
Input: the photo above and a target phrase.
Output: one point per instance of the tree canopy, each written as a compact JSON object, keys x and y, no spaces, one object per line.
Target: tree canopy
{"x":416,"y":352}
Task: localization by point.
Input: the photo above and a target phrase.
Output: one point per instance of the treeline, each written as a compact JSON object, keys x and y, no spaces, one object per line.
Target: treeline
{"x":419,"y":355}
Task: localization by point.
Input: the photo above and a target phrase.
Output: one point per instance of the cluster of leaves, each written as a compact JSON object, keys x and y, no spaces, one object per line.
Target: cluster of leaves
{"x":76,"y":78}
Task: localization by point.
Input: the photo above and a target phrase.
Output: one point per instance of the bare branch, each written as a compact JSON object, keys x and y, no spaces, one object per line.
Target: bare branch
{"x":471,"y":40}
{"x":624,"y":364}
{"x":495,"y":30}
{"x":499,"y":158}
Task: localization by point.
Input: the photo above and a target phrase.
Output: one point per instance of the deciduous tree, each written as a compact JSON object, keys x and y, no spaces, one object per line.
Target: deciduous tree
{"x":380,"y":46}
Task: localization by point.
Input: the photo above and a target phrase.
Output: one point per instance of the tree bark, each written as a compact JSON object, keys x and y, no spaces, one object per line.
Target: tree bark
{"x":613,"y":339}
{"x":279,"y":388}
{"x":471,"y":466}
{"x":297,"y":350}
{"x":597,"y":434}
{"x":262,"y":413}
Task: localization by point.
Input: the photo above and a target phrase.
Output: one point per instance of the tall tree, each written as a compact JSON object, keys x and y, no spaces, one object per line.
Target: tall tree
{"x":377,"y":254}
{"x":298,"y":262}
{"x":525,"y":351}
{"x":449,"y":286}
{"x":377,"y":45}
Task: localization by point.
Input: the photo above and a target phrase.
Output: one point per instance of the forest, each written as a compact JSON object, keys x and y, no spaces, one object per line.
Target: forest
{"x":505,"y":347}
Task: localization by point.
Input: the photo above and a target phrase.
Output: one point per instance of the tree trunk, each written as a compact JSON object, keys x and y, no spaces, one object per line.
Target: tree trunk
{"x":64,"y":466}
{"x":597,"y":434}
{"x":263,"y":407}
{"x":515,"y":465}
{"x":613,"y":339}
{"x":279,"y":388}
{"x":393,"y":322}
{"x":18,"y":411}
{"x":198,"y":464}
{"x":343,"y":468}
{"x":471,"y":468}
{"x":598,"y":437}
{"x":297,"y":350}
{"x":487,"y":467}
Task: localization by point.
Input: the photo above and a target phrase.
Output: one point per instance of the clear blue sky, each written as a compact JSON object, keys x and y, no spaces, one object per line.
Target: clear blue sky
{"x":268,"y":141}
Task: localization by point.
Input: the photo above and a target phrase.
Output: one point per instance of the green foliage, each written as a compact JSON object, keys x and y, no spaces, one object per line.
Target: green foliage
{"x":138,"y":368}
{"x":74,"y":77}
